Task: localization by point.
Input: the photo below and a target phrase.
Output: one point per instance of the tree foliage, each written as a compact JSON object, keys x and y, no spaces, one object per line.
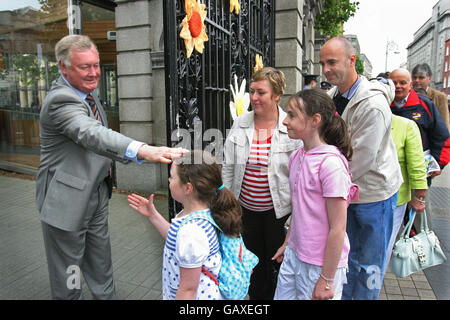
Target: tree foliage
{"x":359,"y":66}
{"x":331,"y":20}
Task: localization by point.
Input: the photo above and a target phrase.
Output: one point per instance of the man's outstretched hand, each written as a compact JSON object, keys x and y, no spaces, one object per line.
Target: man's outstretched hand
{"x":160,"y":154}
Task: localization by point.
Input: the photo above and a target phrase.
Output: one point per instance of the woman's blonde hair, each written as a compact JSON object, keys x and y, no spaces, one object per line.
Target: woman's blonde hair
{"x":275,"y":77}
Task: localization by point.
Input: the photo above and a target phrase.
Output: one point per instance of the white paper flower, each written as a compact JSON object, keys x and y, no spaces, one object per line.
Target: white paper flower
{"x":240,"y":97}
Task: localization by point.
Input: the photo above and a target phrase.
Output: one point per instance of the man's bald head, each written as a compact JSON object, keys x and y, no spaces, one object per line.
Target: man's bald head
{"x":401,"y":71}
{"x":344,"y":43}
{"x":402,"y":81}
{"x":338,"y":60}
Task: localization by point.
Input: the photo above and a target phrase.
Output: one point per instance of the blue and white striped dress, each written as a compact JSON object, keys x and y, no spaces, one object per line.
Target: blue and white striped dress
{"x":193,"y":245}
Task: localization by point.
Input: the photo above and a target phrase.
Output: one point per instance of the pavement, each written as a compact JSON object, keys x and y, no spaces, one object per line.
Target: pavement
{"x":137,"y":249}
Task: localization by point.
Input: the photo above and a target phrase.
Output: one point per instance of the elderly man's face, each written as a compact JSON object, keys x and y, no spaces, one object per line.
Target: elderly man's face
{"x":402,"y":82}
{"x":421,"y":80}
{"x":84,"y":70}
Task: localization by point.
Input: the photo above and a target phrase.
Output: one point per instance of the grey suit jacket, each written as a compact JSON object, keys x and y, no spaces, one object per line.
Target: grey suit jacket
{"x":76,"y":153}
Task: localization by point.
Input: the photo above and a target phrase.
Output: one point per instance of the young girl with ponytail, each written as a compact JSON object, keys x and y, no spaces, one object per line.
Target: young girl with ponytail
{"x":196,"y":182}
{"x":316,"y":248}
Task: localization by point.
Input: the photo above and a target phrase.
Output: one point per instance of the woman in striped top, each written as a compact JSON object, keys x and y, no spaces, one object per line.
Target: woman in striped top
{"x":192,"y":245}
{"x":255,"y":192}
{"x":255,"y":168}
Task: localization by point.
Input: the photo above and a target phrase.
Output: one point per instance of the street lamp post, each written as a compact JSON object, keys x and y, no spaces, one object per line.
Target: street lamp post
{"x":390,"y":46}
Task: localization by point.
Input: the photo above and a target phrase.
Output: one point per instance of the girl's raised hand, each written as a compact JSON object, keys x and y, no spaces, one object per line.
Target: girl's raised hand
{"x":142,"y":205}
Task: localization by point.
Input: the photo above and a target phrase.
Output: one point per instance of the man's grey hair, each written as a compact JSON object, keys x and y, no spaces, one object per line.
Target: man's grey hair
{"x":422,"y":68}
{"x":65,"y":45}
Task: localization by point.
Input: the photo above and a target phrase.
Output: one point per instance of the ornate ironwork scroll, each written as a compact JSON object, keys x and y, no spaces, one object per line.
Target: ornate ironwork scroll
{"x":197,"y":89}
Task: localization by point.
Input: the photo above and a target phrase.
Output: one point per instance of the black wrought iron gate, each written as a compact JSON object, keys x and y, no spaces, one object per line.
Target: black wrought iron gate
{"x":198,"y":88}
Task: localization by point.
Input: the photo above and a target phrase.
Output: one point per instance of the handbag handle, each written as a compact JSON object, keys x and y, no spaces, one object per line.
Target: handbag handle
{"x":423,"y":223}
{"x":407,"y":229}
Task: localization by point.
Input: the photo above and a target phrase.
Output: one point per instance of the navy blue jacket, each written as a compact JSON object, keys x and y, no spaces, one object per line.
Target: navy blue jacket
{"x":434,"y":132}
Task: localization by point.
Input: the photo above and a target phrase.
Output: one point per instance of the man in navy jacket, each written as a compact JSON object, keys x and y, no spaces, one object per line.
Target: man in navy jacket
{"x":408,"y":104}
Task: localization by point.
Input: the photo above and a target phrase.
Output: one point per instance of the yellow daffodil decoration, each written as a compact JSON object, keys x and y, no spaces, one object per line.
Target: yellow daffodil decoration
{"x":234,"y":5}
{"x":258,"y":63}
{"x":240,"y":97}
{"x":194,"y":30}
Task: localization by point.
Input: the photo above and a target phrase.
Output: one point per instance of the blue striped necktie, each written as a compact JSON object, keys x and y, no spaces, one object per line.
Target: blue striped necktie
{"x":90,"y":100}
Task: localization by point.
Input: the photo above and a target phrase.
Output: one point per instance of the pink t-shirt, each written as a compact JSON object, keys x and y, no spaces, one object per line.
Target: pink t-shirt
{"x":315,"y":175}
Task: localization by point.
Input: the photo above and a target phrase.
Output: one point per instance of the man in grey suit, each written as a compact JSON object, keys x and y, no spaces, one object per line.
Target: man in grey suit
{"x":73,"y":182}
{"x":421,"y":79}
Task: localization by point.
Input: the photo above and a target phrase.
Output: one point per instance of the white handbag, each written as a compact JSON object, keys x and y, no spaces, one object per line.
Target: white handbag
{"x":417,"y":253}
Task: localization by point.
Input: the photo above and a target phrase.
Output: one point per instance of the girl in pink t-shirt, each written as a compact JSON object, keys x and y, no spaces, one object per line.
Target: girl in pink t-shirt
{"x":316,"y":248}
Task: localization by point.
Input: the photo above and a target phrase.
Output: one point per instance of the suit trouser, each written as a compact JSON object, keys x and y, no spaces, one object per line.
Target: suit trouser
{"x":87,"y":250}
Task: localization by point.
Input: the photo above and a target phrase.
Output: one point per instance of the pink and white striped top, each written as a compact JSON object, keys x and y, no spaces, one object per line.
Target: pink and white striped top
{"x":255,"y":191}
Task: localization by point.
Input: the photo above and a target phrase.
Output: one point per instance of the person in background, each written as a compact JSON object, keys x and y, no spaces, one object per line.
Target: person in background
{"x":74,"y":181}
{"x":433,"y":131}
{"x":255,"y":168}
{"x":310,"y":81}
{"x":407,"y":140}
{"x":316,"y":248}
{"x":406,"y":136}
{"x":421,"y":92}
{"x":421,"y":78}
{"x":384,"y":75}
{"x":364,"y":106}
{"x":325,"y":86}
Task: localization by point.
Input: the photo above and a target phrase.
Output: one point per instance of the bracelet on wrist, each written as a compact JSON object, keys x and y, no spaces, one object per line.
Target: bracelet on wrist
{"x":327,"y":286}
{"x":420,"y":199}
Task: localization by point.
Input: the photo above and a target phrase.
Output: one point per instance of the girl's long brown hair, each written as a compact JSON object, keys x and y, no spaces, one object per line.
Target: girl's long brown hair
{"x":201,"y":169}
{"x":333,"y":129}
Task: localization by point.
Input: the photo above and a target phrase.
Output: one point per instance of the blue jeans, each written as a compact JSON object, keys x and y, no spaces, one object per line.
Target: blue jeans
{"x":369,"y":228}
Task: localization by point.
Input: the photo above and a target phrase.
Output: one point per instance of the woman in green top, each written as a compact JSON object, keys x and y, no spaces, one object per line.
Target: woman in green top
{"x":406,"y":135}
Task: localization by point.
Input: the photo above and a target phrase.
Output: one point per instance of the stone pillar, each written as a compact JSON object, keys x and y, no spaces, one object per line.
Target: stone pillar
{"x":319,"y":41}
{"x":288,"y":44}
{"x":138,"y":23}
{"x":308,"y":58}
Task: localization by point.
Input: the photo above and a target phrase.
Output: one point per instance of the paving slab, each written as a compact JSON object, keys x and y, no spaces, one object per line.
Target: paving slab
{"x":137,"y":251}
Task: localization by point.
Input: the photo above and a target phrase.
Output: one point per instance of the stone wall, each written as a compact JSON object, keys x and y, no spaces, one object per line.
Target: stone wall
{"x":141,"y":76}
{"x":140,"y":70}
{"x":288,"y":44}
{"x":294,"y":42}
